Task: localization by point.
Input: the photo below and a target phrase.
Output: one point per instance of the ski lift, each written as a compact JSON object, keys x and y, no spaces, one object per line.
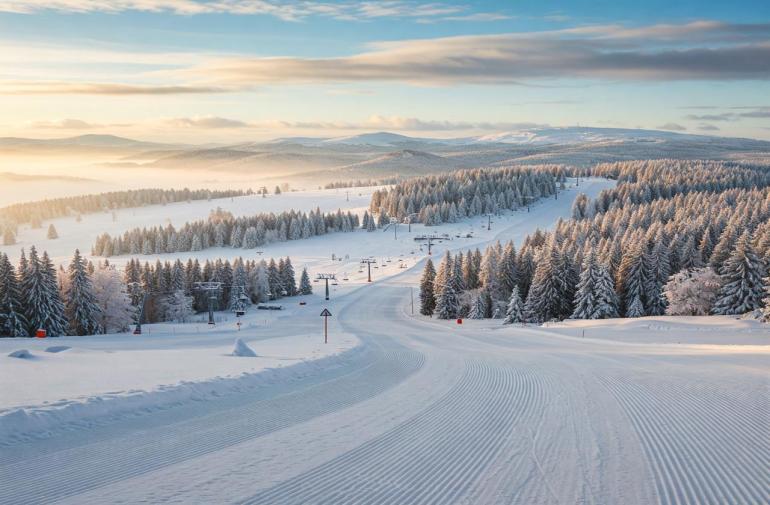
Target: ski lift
{"x":335,"y":283}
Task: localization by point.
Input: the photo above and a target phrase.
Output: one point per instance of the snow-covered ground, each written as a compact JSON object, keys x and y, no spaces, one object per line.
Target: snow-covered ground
{"x":659,"y":410}
{"x":82,"y":235}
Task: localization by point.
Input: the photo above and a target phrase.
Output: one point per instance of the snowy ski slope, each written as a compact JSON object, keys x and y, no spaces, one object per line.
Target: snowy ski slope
{"x":428,"y":411}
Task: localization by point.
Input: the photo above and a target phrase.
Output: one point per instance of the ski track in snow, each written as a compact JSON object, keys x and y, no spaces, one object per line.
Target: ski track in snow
{"x":431,"y":412}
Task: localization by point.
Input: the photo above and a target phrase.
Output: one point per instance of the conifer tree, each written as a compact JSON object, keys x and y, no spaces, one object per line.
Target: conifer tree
{"x":427,"y":297}
{"x":478,"y":308}
{"x":631,"y":281}
{"x":742,"y":287}
{"x":81,"y":309}
{"x":545,"y":299}
{"x":447,"y":302}
{"x":305,"y":287}
{"x":52,"y":233}
{"x":766,"y":300}
{"x":515,"y":310}
{"x":43,"y":307}
{"x":12,"y":321}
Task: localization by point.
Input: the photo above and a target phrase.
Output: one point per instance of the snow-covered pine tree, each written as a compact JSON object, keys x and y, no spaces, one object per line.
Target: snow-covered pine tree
{"x":586,"y":297}
{"x":545,"y":299}
{"x":631,"y":280}
{"x":305,"y":287}
{"x":261,"y":283}
{"x":508,"y":277}
{"x":595,"y":297}
{"x":447,"y":302}
{"x":515,"y":310}
{"x":52,"y":233}
{"x":477,"y":309}
{"x":766,"y":300}
{"x":12,"y":321}
{"x":427,"y":296}
{"x":288,"y":278}
{"x":742,"y":273}
{"x":239,"y":298}
{"x":81,"y":309}
{"x":178,"y":307}
{"x":43,"y":307}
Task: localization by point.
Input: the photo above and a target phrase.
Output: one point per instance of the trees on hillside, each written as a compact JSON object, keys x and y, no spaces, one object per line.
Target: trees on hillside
{"x":81,"y":309}
{"x":742,"y":286}
{"x":427,"y":294}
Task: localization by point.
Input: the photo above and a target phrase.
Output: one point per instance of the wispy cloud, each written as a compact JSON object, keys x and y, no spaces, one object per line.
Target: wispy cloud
{"x":63,"y":124}
{"x":595,"y":52}
{"x":206,"y":122}
{"x":96,"y":88}
{"x":750,"y":113}
{"x":708,"y":128}
{"x":284,"y":10}
{"x":702,"y":50}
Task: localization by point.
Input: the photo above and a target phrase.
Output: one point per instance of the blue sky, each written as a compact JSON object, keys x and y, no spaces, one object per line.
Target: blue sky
{"x":198,"y":70}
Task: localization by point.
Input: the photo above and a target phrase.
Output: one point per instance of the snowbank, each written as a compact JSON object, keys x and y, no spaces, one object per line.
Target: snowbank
{"x":19,"y":424}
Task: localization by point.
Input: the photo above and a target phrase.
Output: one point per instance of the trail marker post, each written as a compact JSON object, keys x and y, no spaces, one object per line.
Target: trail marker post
{"x":326,"y":315}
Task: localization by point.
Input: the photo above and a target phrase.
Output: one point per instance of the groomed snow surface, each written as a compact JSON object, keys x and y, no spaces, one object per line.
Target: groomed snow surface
{"x":397,"y":408}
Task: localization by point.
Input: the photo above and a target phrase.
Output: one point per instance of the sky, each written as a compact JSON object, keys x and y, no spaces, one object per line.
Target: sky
{"x":233,"y":70}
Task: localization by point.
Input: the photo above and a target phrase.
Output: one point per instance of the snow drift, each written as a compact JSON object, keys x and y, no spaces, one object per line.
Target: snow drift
{"x":18,"y":424}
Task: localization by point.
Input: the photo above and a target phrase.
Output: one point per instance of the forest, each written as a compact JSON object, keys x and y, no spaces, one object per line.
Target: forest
{"x":673,"y":237}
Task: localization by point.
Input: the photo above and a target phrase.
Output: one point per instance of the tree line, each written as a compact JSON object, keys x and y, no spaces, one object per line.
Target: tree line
{"x":35,"y":213}
{"x":447,"y":198}
{"x":87,"y":298}
{"x":222,"y":229}
{"x":672,"y":237}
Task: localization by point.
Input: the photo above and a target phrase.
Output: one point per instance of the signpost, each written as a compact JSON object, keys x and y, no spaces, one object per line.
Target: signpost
{"x":326,"y":315}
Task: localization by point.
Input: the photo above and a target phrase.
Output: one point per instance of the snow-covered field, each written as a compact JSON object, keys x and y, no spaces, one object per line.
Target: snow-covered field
{"x":654,"y":410}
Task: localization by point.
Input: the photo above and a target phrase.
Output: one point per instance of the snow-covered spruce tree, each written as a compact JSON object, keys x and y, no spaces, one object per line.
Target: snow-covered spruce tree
{"x":261,"y":283}
{"x":178,"y":307}
{"x":12,"y":321}
{"x":43,"y":307}
{"x":692,"y":292}
{"x":766,"y":310}
{"x":81,"y":309}
{"x":660,"y":269}
{"x":477,"y":308}
{"x":631,"y":281}
{"x":117,"y":312}
{"x":508,"y":274}
{"x":288,"y":278}
{"x":447,"y":302}
{"x":305,"y":287}
{"x":606,"y":298}
{"x":546,"y":294}
{"x":427,"y":297}
{"x":587,"y":298}
{"x":52,"y":233}
{"x":239,"y":293}
{"x":515,"y":310}
{"x":742,"y":286}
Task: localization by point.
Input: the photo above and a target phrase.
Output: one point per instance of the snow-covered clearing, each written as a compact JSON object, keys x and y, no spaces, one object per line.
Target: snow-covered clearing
{"x":427,"y":411}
